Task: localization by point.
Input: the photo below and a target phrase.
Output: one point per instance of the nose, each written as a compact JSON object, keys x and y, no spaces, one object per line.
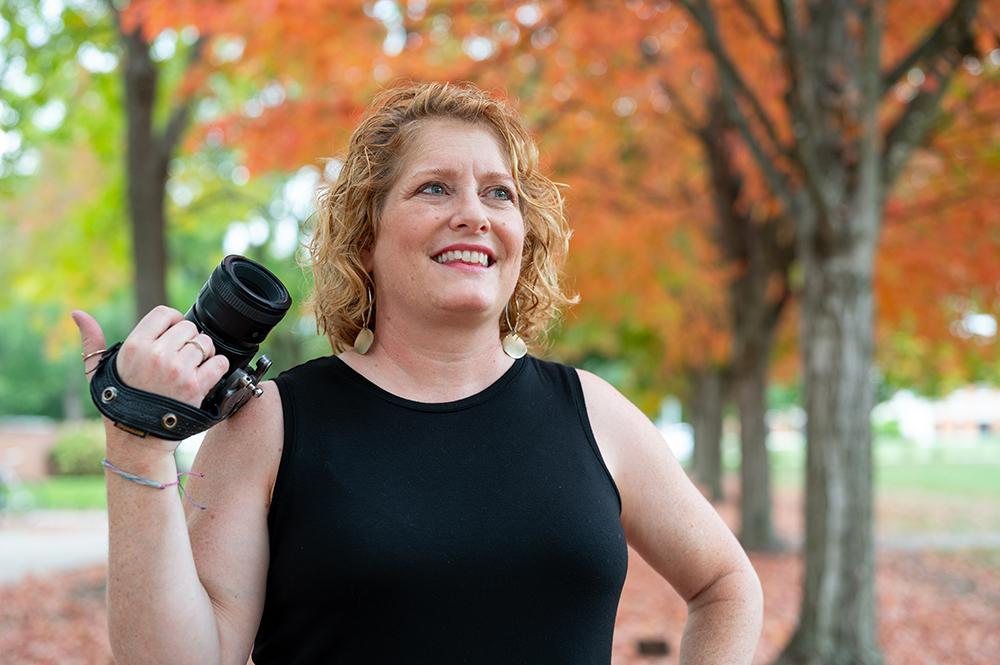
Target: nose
{"x":470,"y":214}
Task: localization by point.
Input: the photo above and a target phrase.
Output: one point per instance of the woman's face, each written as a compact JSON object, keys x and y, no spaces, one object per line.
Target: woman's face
{"x":449,"y":240}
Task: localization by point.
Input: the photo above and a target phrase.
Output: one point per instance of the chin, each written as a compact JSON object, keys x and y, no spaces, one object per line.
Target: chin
{"x":471,"y":304}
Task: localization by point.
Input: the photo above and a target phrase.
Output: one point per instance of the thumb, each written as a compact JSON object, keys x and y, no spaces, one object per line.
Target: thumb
{"x":92,"y":337}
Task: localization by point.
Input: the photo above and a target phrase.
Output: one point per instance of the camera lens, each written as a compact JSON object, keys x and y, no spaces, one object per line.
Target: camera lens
{"x":238,"y":306}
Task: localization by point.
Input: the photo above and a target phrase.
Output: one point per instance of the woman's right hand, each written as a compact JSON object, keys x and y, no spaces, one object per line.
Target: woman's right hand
{"x":162,"y":355}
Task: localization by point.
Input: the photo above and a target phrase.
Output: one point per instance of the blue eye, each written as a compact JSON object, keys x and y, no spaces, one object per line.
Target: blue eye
{"x":433,"y":188}
{"x":503,"y":194}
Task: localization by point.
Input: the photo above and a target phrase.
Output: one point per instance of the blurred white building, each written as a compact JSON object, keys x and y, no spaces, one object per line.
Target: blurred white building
{"x":678,"y":435}
{"x":967,"y":412}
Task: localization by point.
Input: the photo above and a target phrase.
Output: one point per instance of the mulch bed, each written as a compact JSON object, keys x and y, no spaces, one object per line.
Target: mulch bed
{"x":935,"y":608}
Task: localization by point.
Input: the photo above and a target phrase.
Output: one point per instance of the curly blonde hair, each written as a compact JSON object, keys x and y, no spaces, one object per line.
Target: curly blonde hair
{"x":348,"y":211}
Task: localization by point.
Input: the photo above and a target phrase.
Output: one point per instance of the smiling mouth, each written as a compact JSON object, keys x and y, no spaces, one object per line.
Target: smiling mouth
{"x":468,"y":257}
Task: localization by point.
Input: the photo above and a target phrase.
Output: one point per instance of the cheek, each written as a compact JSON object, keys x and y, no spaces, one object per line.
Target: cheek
{"x":515,"y":247}
{"x":518,"y":238}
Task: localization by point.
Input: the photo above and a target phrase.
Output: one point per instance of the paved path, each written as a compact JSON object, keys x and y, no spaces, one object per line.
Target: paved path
{"x":47,"y":541}
{"x":910,"y":542}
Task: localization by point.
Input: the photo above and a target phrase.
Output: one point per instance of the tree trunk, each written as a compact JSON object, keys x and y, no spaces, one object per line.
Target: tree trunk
{"x":710,"y":391}
{"x":149,"y":153}
{"x":845,"y":158}
{"x":837,"y":624}
{"x":756,"y":530}
{"x":147,"y":175}
{"x":762,"y":250}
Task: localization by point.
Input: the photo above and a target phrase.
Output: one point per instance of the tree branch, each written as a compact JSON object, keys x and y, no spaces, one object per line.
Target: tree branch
{"x":677,"y":101}
{"x":944,"y":48}
{"x":179,"y":116}
{"x":952,"y":32}
{"x":798,"y":67}
{"x":758,"y":22}
{"x":910,"y":130}
{"x":802,"y":104}
{"x":733,"y":88}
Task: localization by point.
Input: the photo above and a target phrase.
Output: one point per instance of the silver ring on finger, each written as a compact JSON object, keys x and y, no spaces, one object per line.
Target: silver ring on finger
{"x":204,"y":353}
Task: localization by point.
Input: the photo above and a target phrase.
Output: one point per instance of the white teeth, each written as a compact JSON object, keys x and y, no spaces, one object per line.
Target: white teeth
{"x":466,"y":256}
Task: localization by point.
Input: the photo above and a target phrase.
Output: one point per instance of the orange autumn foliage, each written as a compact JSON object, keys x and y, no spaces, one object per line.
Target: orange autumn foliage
{"x":614,"y":90}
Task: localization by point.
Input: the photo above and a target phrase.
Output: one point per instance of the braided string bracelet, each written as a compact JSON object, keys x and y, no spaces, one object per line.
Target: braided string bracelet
{"x":152,"y":483}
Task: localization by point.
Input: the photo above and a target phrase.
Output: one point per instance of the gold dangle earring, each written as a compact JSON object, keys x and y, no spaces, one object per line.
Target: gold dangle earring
{"x":512,"y":345}
{"x":365,"y":337}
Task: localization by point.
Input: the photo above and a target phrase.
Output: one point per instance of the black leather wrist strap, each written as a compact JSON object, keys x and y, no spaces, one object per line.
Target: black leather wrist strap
{"x":142,"y":413}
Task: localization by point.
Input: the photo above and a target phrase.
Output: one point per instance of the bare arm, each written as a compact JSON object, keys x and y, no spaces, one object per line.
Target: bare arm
{"x":161,"y":606}
{"x":671,"y":525}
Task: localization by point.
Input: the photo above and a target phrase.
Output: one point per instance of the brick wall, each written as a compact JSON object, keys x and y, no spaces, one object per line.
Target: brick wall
{"x":25,"y":444}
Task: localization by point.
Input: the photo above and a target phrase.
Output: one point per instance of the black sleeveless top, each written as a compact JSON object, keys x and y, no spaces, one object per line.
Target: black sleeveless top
{"x":485,"y":530}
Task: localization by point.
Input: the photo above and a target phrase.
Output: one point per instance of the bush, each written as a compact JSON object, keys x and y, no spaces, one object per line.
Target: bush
{"x":79,"y":449}
{"x":888,"y":428}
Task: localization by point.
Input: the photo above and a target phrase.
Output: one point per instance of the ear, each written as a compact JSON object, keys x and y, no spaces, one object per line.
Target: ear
{"x":366,"y":260}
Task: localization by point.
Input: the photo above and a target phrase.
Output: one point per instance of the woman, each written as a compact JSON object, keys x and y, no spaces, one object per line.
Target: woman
{"x":426,"y":495}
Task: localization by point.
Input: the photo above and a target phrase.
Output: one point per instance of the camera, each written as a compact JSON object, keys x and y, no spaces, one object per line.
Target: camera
{"x":237,"y":307}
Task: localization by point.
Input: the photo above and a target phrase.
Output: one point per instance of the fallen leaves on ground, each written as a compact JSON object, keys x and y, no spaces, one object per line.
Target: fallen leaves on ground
{"x":55,"y":620}
{"x":933,"y":608}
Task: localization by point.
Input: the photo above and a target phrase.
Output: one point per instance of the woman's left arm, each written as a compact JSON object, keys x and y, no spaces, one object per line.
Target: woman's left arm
{"x":677,"y":531}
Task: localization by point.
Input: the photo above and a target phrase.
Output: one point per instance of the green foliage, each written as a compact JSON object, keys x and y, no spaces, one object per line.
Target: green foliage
{"x":49,"y":93}
{"x":78,"y":450}
{"x":29,"y":383}
{"x":41,"y":379}
{"x":784,"y":395}
{"x":889,"y":428}
{"x":626,"y":355}
{"x":62,"y":236}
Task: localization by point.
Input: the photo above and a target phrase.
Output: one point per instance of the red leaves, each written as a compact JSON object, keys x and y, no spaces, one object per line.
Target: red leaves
{"x":57,"y":620}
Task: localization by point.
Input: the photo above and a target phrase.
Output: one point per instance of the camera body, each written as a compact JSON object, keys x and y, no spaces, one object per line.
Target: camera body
{"x":237,"y":307}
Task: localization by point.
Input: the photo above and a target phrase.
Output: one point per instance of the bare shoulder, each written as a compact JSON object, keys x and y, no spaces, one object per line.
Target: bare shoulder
{"x":618,"y":425}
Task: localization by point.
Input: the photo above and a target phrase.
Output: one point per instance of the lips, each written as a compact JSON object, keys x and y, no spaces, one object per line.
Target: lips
{"x":466,"y":256}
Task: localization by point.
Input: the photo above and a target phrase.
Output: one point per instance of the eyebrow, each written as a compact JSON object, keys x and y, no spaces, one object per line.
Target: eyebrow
{"x":448,"y":172}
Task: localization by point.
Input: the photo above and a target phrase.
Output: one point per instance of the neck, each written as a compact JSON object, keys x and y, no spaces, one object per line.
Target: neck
{"x":432,"y":364}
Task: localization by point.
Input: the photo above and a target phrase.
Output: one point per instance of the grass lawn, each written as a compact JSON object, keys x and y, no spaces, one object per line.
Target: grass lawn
{"x":68,"y":493}
{"x":972,"y":480}
{"x":958,"y":469}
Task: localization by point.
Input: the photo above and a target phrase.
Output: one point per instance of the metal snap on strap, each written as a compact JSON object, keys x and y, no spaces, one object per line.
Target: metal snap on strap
{"x":109,"y":394}
{"x":169,"y":421}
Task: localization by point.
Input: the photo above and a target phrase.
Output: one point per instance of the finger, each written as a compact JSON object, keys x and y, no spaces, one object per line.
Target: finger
{"x":200,"y":346}
{"x":204,"y":379}
{"x":157,"y":321}
{"x":176,"y":337}
{"x":92,"y":338}
{"x":211,"y":371}
{"x":161,"y":332}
